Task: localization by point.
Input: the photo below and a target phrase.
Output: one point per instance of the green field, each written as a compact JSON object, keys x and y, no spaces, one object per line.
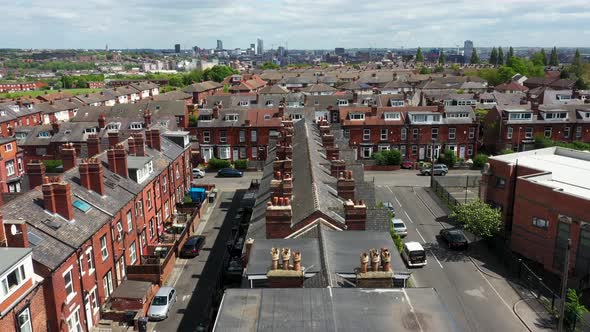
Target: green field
{"x":36,"y":93}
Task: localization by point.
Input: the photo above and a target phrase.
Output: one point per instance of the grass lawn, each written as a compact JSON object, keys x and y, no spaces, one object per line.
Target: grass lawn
{"x":36,"y":93}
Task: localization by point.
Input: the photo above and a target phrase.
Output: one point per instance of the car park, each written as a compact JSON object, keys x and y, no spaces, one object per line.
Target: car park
{"x":192,"y":247}
{"x":162,"y":303}
{"x":230,"y":173}
{"x":454,"y":238}
{"x":439,"y":169}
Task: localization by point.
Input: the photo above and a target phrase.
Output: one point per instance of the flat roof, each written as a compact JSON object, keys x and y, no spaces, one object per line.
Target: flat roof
{"x":333,"y":309}
{"x":132,"y":289}
{"x":414,"y":246}
{"x":568,"y":168}
{"x":10,"y":256}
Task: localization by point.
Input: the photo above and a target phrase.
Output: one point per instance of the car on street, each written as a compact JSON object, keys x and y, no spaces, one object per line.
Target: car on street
{"x":454,"y":238}
{"x":198,"y":173}
{"x":192,"y":247}
{"x":162,"y":303}
{"x":399,"y":227}
{"x":439,"y":169}
{"x":230,"y":173}
{"x":407,"y":164}
{"x":389,"y":206}
{"x":414,"y":254}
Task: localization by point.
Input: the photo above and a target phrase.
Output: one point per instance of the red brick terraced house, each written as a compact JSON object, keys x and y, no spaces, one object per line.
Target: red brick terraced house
{"x":13,"y":115}
{"x":412,"y":130}
{"x":100,"y":216}
{"x":200,"y":91}
{"x":12,"y":165}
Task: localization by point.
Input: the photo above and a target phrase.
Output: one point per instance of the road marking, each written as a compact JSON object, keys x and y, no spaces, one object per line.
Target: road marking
{"x":179,"y":272}
{"x":410,"y":219}
{"x":417,"y":231}
{"x":495,"y":291}
{"x":391,"y":191}
{"x":412,"y":309}
{"x":398,"y":202}
{"x":433,"y":255}
{"x":185,"y":297}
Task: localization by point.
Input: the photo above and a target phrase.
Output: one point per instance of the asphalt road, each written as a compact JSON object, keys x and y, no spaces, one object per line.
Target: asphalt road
{"x":408,"y":178}
{"x":229,"y":184}
{"x":470,"y":296}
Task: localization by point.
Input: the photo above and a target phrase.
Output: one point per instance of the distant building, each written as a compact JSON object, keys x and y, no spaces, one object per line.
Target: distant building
{"x":467,"y":50}
{"x":219,"y":44}
{"x":260,"y":49}
{"x":177,"y":48}
{"x":281,"y":51}
{"x":339,"y":51}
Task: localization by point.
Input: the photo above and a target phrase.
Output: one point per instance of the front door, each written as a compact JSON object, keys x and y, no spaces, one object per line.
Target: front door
{"x":462,"y":152}
{"x":421,"y":153}
{"x":88,"y":309}
{"x":235,"y":155}
{"x":207,"y":153}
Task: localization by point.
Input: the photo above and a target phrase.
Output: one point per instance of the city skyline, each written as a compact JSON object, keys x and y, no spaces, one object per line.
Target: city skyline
{"x":68,"y":25}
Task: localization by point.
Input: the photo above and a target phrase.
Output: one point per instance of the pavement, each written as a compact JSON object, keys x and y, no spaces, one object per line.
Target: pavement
{"x":472,"y":284}
{"x":408,"y":177}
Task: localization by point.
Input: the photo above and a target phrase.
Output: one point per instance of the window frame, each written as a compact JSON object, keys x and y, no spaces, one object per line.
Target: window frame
{"x":384,"y":134}
{"x":540,"y":223}
{"x":104,"y":249}
{"x":366,"y":134}
{"x":452,"y":133}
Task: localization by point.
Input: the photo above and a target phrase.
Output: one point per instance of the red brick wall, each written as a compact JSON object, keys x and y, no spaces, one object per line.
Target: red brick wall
{"x":36,"y":305}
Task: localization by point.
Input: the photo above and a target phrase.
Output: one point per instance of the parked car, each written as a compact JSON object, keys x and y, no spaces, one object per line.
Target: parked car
{"x":230,"y":173}
{"x":198,"y":173}
{"x":408,"y":164}
{"x":192,"y":247}
{"x":162,"y":303}
{"x":439,"y":169}
{"x":389,"y":206}
{"x":454,"y":238}
{"x":399,"y":227}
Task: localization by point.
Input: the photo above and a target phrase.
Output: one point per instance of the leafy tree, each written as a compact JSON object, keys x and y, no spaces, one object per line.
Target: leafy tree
{"x":480,"y":160}
{"x":356,"y":66}
{"x":538,"y":58}
{"x":218,"y":73}
{"x":505,"y":73}
{"x":500,"y":56}
{"x":193,"y":120}
{"x":391,"y":157}
{"x":577,"y":59}
{"x":439,"y":69}
{"x":424,"y":70}
{"x":494,"y":57}
{"x":544,"y":57}
{"x":175,"y":81}
{"x":553,"y":60}
{"x":442,"y":59}
{"x":478,"y":218}
{"x":192,"y":77}
{"x":448,"y":158}
{"x":574,"y":309}
{"x":270,"y":65}
{"x":419,"y":55}
{"x":510,"y":56}
{"x":474,"y":57}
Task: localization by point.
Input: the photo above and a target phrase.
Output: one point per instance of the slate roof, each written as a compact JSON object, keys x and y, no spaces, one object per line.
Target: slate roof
{"x":10,"y":256}
{"x":144,"y":85}
{"x":316,"y":88}
{"x":202,"y":86}
{"x":273,"y":89}
{"x":169,"y":96}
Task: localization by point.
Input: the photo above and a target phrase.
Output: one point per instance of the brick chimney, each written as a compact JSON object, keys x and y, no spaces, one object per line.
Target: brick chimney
{"x":36,"y":173}
{"x":288,"y":276}
{"x":147,"y":119}
{"x":373,"y":109}
{"x":20,"y":239}
{"x":247,"y":251}
{"x":440,"y":108}
{"x":131,"y":145}
{"x":327,"y":140}
{"x":278,"y":218}
{"x":10,"y":130}
{"x":281,"y":112}
{"x":91,"y":175}
{"x":287,"y":186}
{"x":345,"y":185}
{"x":113,"y":139}
{"x":57,"y":197}
{"x":355,"y":215}
{"x":215,"y":113}
{"x":139,"y":144}
{"x":378,"y":276}
{"x":337,"y":166}
{"x":55,"y":127}
{"x":68,"y":155}
{"x":93,"y":145}
{"x":102,"y":121}
{"x":154,"y":141}
{"x":117,"y":158}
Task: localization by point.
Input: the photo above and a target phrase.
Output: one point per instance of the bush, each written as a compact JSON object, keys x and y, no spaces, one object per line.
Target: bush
{"x":448,"y":158}
{"x":397,"y":239}
{"x":241,"y":164}
{"x":216,"y":164}
{"x":51,"y":166}
{"x":193,"y":120}
{"x":506,"y":151}
{"x":188,"y":199}
{"x":387,"y":158}
{"x":480,"y":160}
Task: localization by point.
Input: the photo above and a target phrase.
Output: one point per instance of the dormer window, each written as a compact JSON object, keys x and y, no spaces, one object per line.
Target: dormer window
{"x":357,"y":116}
{"x":342,"y":102}
{"x":90,"y":130}
{"x":396,"y":103}
{"x":2,"y":113}
{"x":205,"y":117}
{"x":316,"y":102}
{"x":564,"y":97}
{"x":267,"y":116}
{"x":269,"y":103}
{"x":389,"y":116}
{"x":457,"y":115}
{"x":136,"y":126}
{"x":426,"y":118}
{"x":244,"y":103}
{"x":555,"y":115}
{"x":520,"y":116}
{"x":231,"y":117}
{"x":22,"y":135}
{"x":113,"y":126}
{"x":366,"y":101}
{"x":44,"y":134}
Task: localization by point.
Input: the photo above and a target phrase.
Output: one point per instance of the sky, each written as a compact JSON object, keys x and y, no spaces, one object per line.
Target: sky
{"x":296,"y":24}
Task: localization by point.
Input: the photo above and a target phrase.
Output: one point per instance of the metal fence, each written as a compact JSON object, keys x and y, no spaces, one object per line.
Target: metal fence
{"x":454,"y":190}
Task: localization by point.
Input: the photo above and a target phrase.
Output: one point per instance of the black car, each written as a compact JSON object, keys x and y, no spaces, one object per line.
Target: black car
{"x":192,"y":247}
{"x":455,"y":238}
{"x":230,"y":173}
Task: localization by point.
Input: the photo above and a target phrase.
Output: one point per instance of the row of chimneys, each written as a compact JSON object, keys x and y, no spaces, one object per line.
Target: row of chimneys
{"x":281,"y":185}
{"x":379,"y":261}
{"x":285,"y":255}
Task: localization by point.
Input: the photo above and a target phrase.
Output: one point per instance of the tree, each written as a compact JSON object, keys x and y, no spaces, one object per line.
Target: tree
{"x":478,"y":218}
{"x":510,"y":56}
{"x":175,"y":81}
{"x":441,"y":58}
{"x":386,"y":158}
{"x":538,"y":58}
{"x":474,"y":57}
{"x":448,"y":158}
{"x":439,"y":69}
{"x":574,"y":309}
{"x":544,"y":57}
{"x":553,"y":60}
{"x":419,"y":55}
{"x":577,"y":59}
{"x":494,"y":57}
{"x":505,"y":73}
{"x":500,"y":56}
{"x":269,"y":65}
{"x":193,"y":77}
{"x":424,"y":70}
{"x":218,"y":73}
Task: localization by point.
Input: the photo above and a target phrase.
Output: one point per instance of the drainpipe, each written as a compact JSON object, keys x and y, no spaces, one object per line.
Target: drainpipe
{"x":82,"y":291}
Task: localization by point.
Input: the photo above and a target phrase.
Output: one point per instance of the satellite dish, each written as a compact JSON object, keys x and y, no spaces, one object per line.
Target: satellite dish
{"x":14,"y":230}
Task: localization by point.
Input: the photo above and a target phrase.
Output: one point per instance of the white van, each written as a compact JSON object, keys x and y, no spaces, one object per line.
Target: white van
{"x":414,"y":254}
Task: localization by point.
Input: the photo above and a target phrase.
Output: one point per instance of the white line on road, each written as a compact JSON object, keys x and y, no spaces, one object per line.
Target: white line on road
{"x":433,"y":255}
{"x":391,"y":191}
{"x":185,"y":297}
{"x":412,"y":309}
{"x":417,"y":231}
{"x":410,"y":219}
{"x":398,"y":202}
{"x":495,"y":291}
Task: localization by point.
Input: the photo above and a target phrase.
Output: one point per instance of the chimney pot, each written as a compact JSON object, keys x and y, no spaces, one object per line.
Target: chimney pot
{"x":375,"y":259}
{"x":286,"y":258}
{"x":297,"y":261}
{"x":364,"y":263}
{"x":274,"y":253}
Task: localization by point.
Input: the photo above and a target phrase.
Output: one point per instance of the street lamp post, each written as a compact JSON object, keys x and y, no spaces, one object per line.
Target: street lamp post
{"x":432,"y":164}
{"x":519,"y":129}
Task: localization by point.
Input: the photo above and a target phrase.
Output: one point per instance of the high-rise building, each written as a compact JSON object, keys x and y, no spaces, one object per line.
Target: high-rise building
{"x":339,"y":51}
{"x":253,"y":47}
{"x":281,"y":51}
{"x":177,"y":48}
{"x":467,"y":50}
{"x":219,"y":44}
{"x":260,"y":49}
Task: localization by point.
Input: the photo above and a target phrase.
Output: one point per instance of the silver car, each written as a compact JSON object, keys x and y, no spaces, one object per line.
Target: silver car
{"x":162,"y":303}
{"x":399,"y":227}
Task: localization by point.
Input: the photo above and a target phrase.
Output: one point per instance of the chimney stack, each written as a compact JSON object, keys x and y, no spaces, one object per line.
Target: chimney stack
{"x":147,"y":119}
{"x":345,"y":185}
{"x":327,"y":140}
{"x":281,"y":113}
{"x":57,"y":197}
{"x":215,"y":114}
{"x":131,"y":145}
{"x":154,"y":141}
{"x":337,"y":166}
{"x":278,"y":218}
{"x":139,"y":144}
{"x":355,"y":215}
{"x":285,"y":277}
{"x":55,"y":127}
{"x":18,"y":240}
{"x":102,"y":121}
{"x":117,"y":157}
{"x":68,"y":153}
{"x":113,"y":139}
{"x":440,"y":108}
{"x":93,"y":145}
{"x":246,"y":258}
{"x":91,"y":175}
{"x":36,"y":173}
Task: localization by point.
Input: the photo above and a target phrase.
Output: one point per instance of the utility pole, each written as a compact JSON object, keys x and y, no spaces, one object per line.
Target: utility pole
{"x":432,"y":165}
{"x":566,"y":266}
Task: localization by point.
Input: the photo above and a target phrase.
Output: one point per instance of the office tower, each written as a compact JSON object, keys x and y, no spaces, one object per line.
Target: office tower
{"x":219,"y":44}
{"x":177,"y":48}
{"x":467,"y":51}
{"x":260,"y":49}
